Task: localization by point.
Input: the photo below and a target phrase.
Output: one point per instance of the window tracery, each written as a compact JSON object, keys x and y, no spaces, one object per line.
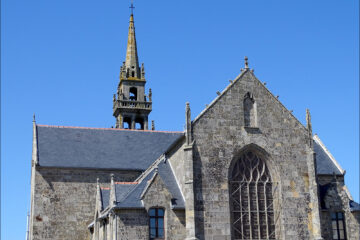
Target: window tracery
{"x":251,"y":199}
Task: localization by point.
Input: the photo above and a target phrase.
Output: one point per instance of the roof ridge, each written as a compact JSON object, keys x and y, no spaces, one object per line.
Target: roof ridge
{"x":115,"y":129}
{"x":150,"y":168}
{"x":124,"y":183}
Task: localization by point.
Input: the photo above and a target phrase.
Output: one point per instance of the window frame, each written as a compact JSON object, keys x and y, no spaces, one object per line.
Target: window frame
{"x":250,"y":207}
{"x":157,"y":228}
{"x":337,"y":219}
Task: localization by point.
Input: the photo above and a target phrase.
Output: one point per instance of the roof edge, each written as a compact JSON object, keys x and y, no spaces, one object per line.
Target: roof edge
{"x":219,"y":96}
{"x":113,"y":129}
{"x":232,"y":83}
{"x":92,"y":168}
{"x":318,"y":141}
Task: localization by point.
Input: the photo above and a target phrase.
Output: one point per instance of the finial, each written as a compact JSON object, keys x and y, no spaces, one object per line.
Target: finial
{"x":34,"y":118}
{"x":132,"y":7}
{"x":309,"y":127}
{"x":308,"y":118}
{"x":97,"y":182}
{"x":142,"y":71}
{"x":112,"y":176}
{"x":246,"y":62}
{"x":153,"y":125}
{"x":188,"y":124}
{"x":150,"y":95}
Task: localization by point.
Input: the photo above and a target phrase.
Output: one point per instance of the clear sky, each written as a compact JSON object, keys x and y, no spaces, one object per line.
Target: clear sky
{"x":61,"y":60}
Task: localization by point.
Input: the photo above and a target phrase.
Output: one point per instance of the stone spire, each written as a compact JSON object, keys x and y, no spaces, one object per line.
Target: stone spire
{"x":131,"y":61}
{"x":131,"y":106}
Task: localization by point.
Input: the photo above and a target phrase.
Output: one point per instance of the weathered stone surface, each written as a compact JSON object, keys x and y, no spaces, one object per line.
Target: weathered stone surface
{"x":65,"y":201}
{"x":337,"y":200}
{"x":220,"y":137}
{"x":157,"y":195}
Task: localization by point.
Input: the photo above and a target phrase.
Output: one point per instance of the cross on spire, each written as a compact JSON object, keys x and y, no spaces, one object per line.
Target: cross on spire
{"x":246,"y":62}
{"x":132,"y":6}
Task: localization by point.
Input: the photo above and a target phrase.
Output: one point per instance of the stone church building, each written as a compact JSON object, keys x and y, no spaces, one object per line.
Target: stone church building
{"x":244,"y":168}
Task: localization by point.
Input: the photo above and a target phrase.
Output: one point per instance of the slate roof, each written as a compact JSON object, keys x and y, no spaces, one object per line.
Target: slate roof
{"x":129,"y":195}
{"x":326,"y":163}
{"x":354,"y":206}
{"x":105,"y":197}
{"x":106,"y":148}
{"x":133,"y":198}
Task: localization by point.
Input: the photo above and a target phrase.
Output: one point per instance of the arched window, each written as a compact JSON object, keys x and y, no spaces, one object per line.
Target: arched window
{"x":133,"y":94}
{"x":127,"y":123}
{"x":251,"y":200}
{"x":156,"y":224}
{"x":249,"y":111}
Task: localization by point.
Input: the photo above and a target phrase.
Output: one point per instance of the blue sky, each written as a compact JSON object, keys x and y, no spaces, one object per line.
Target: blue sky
{"x":61,"y":60}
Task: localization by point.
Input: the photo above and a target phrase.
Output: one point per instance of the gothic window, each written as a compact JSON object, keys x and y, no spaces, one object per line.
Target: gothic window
{"x":249,"y":111}
{"x":338,"y":226}
{"x":156,"y":224}
{"x":133,"y":94}
{"x":251,"y":199}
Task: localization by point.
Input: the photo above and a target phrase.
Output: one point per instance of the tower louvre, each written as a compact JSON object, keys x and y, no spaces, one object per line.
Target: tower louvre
{"x":131,"y":106}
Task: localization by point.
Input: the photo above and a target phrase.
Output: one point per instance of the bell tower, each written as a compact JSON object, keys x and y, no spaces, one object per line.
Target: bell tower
{"x":131,"y":106}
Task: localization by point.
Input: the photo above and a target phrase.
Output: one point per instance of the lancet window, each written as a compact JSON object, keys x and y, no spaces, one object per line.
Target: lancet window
{"x":249,"y":111}
{"x":251,"y":199}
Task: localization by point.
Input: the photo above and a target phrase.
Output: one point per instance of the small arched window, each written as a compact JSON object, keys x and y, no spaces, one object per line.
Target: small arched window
{"x":250,"y":117}
{"x":251,"y":199}
{"x":133,"y":94}
{"x":156,"y":223}
{"x":127,"y":123}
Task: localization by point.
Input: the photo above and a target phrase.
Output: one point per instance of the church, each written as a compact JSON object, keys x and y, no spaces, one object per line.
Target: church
{"x":244,"y":168}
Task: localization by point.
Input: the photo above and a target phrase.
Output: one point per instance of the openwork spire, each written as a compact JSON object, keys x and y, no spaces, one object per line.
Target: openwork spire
{"x":131,"y":61}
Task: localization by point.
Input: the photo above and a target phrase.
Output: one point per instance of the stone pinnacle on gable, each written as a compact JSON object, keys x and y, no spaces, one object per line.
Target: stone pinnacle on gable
{"x":246,"y":62}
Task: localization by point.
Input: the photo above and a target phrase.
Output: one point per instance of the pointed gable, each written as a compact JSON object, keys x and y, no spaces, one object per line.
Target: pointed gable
{"x":229,"y":104}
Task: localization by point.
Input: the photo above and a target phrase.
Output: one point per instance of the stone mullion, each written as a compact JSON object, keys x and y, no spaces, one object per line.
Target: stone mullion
{"x":241,"y":211}
{"x":257,"y":208}
{"x":249,"y":208}
{"x":266,"y":210}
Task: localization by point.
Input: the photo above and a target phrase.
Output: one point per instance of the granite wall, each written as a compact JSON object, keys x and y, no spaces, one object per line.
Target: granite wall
{"x":220,"y":137}
{"x":64,"y":201}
